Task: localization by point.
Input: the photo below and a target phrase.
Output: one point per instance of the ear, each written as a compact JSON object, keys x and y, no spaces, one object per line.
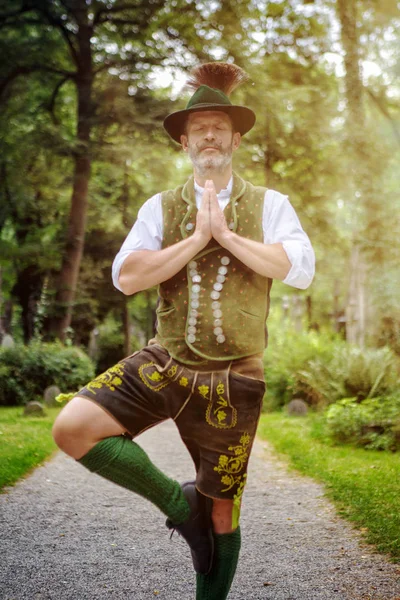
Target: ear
{"x":184,"y":142}
{"x":237,"y":138}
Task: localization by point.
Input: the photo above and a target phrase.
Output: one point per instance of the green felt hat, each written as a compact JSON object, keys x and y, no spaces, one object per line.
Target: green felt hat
{"x":208,"y":98}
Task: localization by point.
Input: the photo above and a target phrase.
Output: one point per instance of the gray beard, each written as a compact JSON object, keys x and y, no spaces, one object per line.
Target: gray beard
{"x":204,"y":165}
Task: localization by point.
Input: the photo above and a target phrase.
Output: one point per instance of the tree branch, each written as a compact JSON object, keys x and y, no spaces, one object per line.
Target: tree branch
{"x":383,"y":109}
{"x":14,"y":13}
{"x":56,"y":22}
{"x":26,"y":70}
{"x":127,"y":63}
{"x":52,"y":19}
{"x":52,"y":100}
{"x":119,"y":21}
{"x":113,"y":9}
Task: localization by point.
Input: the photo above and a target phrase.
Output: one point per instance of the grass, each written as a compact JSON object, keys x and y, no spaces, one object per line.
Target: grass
{"x":25,"y":442}
{"x":364,"y":484}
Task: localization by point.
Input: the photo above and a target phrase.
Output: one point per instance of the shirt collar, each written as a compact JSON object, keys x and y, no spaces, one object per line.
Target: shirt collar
{"x":224,"y":194}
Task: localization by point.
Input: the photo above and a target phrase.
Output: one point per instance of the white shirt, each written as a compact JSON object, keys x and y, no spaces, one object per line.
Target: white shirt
{"x":280,"y":224}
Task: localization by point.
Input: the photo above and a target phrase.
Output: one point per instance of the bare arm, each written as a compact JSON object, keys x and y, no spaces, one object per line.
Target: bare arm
{"x":269,"y":260}
{"x":145,"y":268}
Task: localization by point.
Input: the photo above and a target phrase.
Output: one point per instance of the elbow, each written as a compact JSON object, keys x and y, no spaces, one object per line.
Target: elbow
{"x":129,"y":285}
{"x":303,"y":282}
{"x":300,"y":281}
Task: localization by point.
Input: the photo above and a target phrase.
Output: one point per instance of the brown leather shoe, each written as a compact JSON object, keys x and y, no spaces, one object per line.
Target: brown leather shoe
{"x":197,"y":529}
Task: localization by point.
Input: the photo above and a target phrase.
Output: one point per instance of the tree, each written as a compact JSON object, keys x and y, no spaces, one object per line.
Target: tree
{"x":123,"y":40}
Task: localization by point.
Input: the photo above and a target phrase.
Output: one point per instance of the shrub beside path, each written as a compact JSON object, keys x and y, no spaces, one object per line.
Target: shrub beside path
{"x":66,"y":534}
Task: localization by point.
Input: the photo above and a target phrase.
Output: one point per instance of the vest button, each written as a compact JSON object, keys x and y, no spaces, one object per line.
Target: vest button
{"x":191,"y":338}
{"x":220,"y":339}
{"x":215,"y":295}
{"x":189,"y":226}
{"x":231,"y":225}
{"x":193,"y":263}
{"x":225,"y":260}
{"x":218,"y":286}
{"x":222,"y":270}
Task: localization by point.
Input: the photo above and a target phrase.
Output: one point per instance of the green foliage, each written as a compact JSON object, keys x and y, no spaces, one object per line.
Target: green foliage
{"x":110,"y":344}
{"x":289,"y":354}
{"x":321,"y":367}
{"x":349,"y":371}
{"x":26,"y":371}
{"x":24,"y":442}
{"x":373,"y":423}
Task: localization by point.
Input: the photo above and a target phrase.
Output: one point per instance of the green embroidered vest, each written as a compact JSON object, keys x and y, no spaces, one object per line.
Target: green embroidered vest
{"x":216,"y":307}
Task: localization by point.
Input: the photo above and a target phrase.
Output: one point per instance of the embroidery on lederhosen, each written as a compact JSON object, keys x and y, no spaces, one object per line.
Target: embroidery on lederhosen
{"x":230,"y":468}
{"x":156,"y":377}
{"x":152,"y":378}
{"x":220,"y":413}
{"x":110,"y":378}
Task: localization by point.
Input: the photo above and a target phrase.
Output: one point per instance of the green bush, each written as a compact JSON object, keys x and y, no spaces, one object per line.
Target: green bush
{"x":373,"y":423}
{"x":289,"y":353}
{"x":110,"y":344}
{"x":350,"y":372}
{"x":26,"y":371}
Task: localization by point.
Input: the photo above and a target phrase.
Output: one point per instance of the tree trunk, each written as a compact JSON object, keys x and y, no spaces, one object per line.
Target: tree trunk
{"x":2,"y":332}
{"x":28,"y":290}
{"x":68,"y":278}
{"x":358,"y":165}
{"x":355,"y":309}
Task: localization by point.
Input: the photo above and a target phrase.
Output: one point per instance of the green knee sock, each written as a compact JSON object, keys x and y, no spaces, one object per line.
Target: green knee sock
{"x":216,"y":585}
{"x":124,"y":462}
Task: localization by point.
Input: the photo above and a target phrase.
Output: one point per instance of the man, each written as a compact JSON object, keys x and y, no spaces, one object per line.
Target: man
{"x":213,"y":246}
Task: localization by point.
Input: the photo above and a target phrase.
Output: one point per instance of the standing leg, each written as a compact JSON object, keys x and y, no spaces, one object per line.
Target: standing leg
{"x":216,"y":585}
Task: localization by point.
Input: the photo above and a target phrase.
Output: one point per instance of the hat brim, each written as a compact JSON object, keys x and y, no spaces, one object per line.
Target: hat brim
{"x":242,"y":117}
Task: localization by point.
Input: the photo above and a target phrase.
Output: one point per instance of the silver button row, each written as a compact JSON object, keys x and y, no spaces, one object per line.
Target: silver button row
{"x":215,"y":295}
{"x":195,"y":298}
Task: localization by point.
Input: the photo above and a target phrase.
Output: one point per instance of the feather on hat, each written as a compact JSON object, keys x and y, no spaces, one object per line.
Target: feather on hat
{"x":213,"y":82}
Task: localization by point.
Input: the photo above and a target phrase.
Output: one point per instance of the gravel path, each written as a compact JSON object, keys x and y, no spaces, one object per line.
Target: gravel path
{"x":66,"y":534}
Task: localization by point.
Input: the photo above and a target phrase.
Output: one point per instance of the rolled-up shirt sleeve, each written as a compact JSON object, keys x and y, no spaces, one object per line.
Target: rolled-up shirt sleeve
{"x":281,"y":224}
{"x":146,"y":234}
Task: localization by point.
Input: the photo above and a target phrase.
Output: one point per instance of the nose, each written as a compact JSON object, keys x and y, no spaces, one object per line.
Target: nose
{"x":210,"y":134}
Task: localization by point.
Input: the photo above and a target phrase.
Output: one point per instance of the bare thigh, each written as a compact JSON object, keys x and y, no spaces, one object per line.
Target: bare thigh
{"x":81,"y":425}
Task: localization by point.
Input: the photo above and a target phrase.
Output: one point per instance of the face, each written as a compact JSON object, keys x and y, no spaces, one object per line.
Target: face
{"x":210,"y":141}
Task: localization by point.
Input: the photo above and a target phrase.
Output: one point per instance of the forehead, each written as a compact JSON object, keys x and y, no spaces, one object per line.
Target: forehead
{"x":208,"y":117}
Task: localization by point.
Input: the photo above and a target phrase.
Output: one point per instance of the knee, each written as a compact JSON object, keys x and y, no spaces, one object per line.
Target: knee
{"x":66,"y":429}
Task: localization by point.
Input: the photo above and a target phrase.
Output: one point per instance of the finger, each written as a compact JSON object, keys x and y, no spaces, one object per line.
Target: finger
{"x":205,"y":198}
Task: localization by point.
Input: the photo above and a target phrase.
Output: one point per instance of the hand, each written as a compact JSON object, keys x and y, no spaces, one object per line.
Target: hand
{"x":203,"y":219}
{"x":219,"y":227}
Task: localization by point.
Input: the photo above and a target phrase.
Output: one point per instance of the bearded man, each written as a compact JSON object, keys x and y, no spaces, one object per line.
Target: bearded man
{"x":213,"y":246}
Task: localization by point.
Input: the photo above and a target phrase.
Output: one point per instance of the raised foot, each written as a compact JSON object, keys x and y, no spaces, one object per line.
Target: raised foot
{"x":197,"y":529}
